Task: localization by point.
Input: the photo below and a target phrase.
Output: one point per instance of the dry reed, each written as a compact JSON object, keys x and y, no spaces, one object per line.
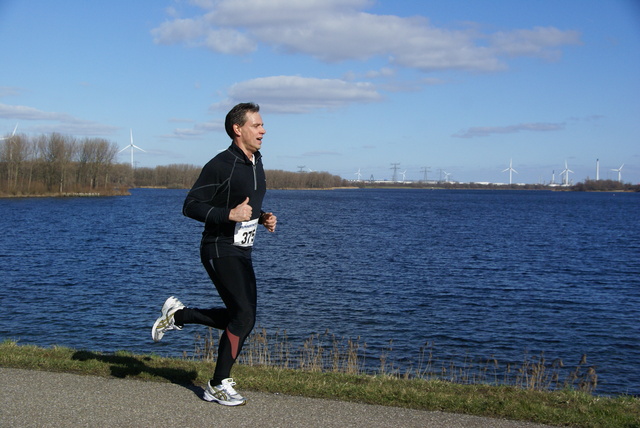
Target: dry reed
{"x":328,"y":353}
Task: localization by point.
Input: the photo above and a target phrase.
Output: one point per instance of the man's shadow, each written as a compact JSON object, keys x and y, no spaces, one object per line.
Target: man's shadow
{"x":124,"y":366}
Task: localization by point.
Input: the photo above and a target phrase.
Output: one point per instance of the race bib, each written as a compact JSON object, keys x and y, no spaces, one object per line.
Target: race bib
{"x":245,"y":233}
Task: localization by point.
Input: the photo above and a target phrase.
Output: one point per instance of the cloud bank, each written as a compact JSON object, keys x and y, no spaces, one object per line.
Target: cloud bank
{"x":59,"y":122}
{"x":295,"y":94}
{"x":339,"y":30}
{"x":486,"y":131}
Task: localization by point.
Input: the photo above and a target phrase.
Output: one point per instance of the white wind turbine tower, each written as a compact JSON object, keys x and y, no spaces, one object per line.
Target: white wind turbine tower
{"x":566,"y":174}
{"x":131,"y":146}
{"x":403,"y":175}
{"x":619,"y":171}
{"x":12,"y":134}
{"x":511,"y":171}
{"x":358,"y":174}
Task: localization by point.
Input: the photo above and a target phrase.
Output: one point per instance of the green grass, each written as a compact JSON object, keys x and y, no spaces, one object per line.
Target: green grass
{"x":567,"y":407}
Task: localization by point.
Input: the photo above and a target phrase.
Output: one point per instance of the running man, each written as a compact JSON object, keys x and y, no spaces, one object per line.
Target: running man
{"x":227,"y":198}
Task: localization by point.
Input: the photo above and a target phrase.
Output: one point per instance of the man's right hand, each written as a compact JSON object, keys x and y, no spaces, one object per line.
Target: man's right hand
{"x":242,"y":212}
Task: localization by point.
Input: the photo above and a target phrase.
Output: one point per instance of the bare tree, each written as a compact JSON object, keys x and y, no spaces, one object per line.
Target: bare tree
{"x":13,"y":155}
{"x":95,"y":157}
{"x":57,"y":153}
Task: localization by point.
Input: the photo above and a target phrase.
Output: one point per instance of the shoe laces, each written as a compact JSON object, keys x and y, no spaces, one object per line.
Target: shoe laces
{"x":169,"y":324}
{"x":228,"y":385}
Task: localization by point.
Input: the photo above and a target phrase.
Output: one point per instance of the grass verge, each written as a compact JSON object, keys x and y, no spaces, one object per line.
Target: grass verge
{"x":563,"y":408}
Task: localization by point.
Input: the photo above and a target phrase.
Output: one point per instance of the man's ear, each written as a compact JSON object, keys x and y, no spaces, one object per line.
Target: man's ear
{"x":236,"y":129}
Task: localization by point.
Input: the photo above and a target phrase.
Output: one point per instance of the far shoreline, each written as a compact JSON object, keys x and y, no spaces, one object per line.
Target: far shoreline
{"x":365,"y":187}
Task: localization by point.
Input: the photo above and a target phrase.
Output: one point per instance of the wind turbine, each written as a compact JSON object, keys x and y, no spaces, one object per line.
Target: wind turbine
{"x":511,"y":170}
{"x":358,"y":174}
{"x":131,"y":146}
{"x":403,"y":175}
{"x":566,"y":173}
{"x":12,"y":134}
{"x":619,"y":171}
{"x":446,"y":176}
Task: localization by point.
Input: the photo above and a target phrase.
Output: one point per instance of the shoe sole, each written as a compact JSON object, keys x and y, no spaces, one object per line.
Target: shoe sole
{"x":156,"y":334}
{"x":212,"y":399}
{"x":225,"y":403}
{"x":228,"y":403}
{"x":176,"y":305}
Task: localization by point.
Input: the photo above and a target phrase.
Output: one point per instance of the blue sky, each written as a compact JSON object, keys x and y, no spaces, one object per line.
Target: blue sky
{"x":461,"y":86}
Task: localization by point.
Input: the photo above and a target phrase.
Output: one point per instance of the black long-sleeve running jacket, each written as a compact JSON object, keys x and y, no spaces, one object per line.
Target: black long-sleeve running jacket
{"x":224,"y":183}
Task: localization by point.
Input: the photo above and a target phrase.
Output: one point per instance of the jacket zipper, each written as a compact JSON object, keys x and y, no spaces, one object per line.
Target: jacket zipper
{"x":255,"y":179}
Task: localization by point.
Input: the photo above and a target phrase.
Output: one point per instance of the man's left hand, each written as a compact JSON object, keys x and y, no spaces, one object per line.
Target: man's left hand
{"x":269,"y":221}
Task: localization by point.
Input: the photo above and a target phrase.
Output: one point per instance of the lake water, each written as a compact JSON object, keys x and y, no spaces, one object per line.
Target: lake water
{"x":474,"y":273}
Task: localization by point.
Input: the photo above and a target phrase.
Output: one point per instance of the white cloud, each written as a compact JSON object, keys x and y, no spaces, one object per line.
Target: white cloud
{"x":205,"y":4}
{"x":228,"y":41}
{"x":180,"y":31}
{"x":197,"y":130}
{"x":30,"y":113}
{"x":63,"y":123}
{"x":383,"y":72}
{"x":540,"y":41}
{"x":9,"y":91}
{"x":338,"y":30}
{"x":271,"y":13}
{"x":82,"y":128}
{"x":485,"y":131}
{"x":295,"y":94}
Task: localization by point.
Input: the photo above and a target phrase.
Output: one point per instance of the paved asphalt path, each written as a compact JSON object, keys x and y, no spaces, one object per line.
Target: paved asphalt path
{"x":44,"y":399}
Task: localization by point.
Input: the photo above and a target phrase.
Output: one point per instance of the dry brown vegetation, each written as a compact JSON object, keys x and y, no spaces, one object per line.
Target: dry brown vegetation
{"x":61,"y":165}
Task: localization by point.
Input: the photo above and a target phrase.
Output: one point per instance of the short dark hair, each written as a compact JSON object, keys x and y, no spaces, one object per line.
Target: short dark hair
{"x":238,"y":116}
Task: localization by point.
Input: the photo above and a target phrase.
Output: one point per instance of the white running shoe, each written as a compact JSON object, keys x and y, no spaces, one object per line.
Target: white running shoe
{"x":224,"y":394}
{"x":166,"y":321}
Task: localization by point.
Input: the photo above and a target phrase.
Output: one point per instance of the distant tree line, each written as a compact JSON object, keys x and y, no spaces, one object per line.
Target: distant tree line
{"x":278,"y":179}
{"x":56,"y":164}
{"x":174,"y":176}
{"x":605,"y":186}
{"x":183,"y":176}
{"x":586,"y":186}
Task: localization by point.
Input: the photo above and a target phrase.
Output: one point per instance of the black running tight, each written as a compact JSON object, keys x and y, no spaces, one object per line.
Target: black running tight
{"x":235,"y":281}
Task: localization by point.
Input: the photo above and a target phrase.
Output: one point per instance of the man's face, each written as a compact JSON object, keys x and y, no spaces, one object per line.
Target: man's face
{"x":250,"y":134}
